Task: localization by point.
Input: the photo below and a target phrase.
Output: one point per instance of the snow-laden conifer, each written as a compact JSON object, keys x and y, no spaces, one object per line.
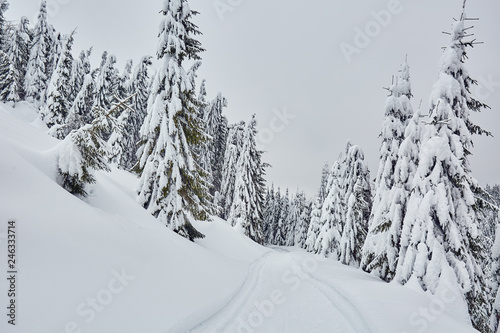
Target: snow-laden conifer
{"x":398,"y":161}
{"x":440,"y":229}
{"x":172,"y":186}
{"x":41,"y":59}
{"x":12,"y":89}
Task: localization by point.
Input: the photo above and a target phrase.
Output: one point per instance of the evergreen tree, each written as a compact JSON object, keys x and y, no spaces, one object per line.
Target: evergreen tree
{"x":172,"y":186}
{"x":268,"y":216}
{"x":80,"y":112}
{"x":440,"y":231}
{"x":81,"y":68}
{"x":323,"y":188}
{"x":282,"y":225}
{"x":495,"y":316}
{"x":139,"y":88}
{"x":304,"y":220}
{"x":59,"y":90}
{"x":247,"y":207}
{"x":84,"y":151}
{"x":233,"y":149}
{"x":107,"y":82}
{"x":18,"y":55}
{"x":4,"y":38}
{"x":292,"y":220}
{"x":314,"y":226}
{"x":41,"y":59}
{"x":216,"y":126}
{"x":358,"y":201}
{"x":121,"y":142}
{"x":398,"y":160}
{"x":332,"y":214}
{"x":125,"y":80}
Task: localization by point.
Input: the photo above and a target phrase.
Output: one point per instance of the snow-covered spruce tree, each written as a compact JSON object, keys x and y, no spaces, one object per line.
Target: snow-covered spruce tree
{"x":314,"y":226}
{"x":295,"y":209}
{"x":249,"y":190}
{"x":440,"y":232}
{"x":41,"y":59}
{"x":124,"y":144}
{"x":495,"y":315}
{"x":323,"y":188}
{"x":358,"y":200}
{"x":172,"y":185}
{"x":107,"y":81}
{"x":332,"y":214}
{"x":216,"y":126}
{"x":304,"y":220}
{"x":268,"y":215}
{"x":81,"y":68}
{"x":121,"y":142}
{"x":18,"y":55}
{"x":83,"y":152}
{"x":233,"y":148}
{"x":4,"y":38}
{"x":80,"y":112}
{"x":125,"y":80}
{"x":381,"y":249}
{"x":59,"y":90}
{"x":139,"y":88}
{"x":282,"y":225}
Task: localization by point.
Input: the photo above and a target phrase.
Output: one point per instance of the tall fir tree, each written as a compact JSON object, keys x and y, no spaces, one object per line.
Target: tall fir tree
{"x":332,"y":213}
{"x":304,"y":220}
{"x":107,"y":81}
{"x":495,"y":315}
{"x":216,"y":126}
{"x":358,"y":204}
{"x":80,"y":112}
{"x":393,"y":182}
{"x":172,"y":185}
{"x":41,"y":59}
{"x":59,"y":90}
{"x":4,"y":38}
{"x":282,"y":224}
{"x":314,"y":226}
{"x":440,"y":231}
{"x":247,"y":208}
{"x":18,"y":55}
{"x":323,"y":188}
{"x":81,"y":68}
{"x":234,"y":146}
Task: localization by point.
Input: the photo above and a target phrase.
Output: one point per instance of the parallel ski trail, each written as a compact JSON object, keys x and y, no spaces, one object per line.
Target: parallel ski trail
{"x":351,"y":315}
{"x":220,"y":320}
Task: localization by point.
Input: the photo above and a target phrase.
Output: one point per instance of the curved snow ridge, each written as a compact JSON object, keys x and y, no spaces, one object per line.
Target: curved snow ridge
{"x":210,"y":321}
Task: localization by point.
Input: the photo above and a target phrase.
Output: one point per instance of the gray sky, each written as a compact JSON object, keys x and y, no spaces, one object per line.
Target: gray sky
{"x":285,"y":56}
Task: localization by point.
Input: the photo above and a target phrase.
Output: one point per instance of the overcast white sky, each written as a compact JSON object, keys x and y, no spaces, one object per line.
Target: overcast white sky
{"x":285,"y":54}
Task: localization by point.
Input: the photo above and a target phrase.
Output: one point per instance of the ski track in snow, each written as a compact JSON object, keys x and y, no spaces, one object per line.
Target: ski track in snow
{"x":219,"y":321}
{"x":343,"y":312}
{"x":355,"y":321}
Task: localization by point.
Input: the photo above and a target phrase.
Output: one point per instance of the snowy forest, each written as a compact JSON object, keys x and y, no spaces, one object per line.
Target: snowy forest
{"x":421,"y":218}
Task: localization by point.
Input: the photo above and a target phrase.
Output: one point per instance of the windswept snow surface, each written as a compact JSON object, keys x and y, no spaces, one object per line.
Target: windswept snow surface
{"x":103,"y":264}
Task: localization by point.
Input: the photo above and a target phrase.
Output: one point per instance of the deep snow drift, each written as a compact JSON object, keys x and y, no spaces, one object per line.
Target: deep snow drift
{"x":103,"y":264}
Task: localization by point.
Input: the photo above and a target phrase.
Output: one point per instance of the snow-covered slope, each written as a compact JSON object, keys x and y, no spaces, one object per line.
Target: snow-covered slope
{"x":104,"y":265}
